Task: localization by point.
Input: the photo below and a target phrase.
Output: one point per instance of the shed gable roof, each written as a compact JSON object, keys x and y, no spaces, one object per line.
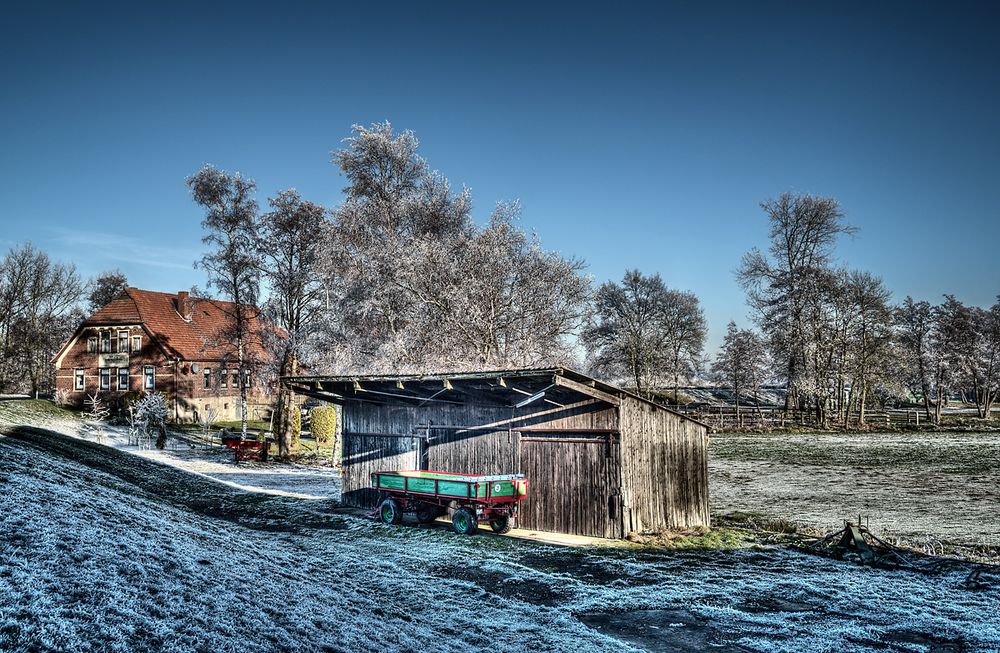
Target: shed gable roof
{"x":494,"y":387}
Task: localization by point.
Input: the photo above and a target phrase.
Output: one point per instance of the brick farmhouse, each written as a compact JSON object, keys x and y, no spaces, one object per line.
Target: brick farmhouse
{"x":153,"y":341}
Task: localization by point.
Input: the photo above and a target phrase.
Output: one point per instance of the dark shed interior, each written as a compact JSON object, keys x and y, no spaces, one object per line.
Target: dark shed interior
{"x":600,"y":461}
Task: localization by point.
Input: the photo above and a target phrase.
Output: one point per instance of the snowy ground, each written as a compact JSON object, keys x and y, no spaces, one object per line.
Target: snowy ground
{"x":943,"y":485}
{"x":101,"y":550}
{"x":186,"y":452}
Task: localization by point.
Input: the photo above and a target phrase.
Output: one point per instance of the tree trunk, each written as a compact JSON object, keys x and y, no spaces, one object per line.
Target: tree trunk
{"x":937,"y":397}
{"x":736,"y":392}
{"x":243,"y":390}
{"x":285,"y":407}
{"x":862,"y":400}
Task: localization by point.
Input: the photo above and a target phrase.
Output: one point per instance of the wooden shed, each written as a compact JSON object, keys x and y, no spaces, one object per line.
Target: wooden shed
{"x":600,"y":461}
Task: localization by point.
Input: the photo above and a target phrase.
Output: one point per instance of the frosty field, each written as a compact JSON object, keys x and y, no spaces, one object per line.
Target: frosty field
{"x":102,"y":550}
{"x":940,"y":485}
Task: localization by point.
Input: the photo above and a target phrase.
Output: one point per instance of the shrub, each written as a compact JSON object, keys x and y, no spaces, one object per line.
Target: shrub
{"x":324,"y":424}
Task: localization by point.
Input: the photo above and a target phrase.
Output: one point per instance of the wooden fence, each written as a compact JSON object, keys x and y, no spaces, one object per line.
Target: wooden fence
{"x":721,"y":418}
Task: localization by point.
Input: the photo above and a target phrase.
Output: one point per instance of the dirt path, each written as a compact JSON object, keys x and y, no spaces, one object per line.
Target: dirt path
{"x":100,"y":550}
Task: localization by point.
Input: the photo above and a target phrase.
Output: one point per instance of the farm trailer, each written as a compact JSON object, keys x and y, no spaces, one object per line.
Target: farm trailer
{"x":468,"y":498}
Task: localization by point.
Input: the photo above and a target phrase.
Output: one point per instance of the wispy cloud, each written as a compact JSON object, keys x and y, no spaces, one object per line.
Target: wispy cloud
{"x":116,"y":247}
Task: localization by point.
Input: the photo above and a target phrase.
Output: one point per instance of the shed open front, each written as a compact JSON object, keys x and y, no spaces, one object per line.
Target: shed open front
{"x":561,"y":429}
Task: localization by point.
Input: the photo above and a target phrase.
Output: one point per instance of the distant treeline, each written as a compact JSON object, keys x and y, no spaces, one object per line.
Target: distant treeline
{"x":834,"y":337}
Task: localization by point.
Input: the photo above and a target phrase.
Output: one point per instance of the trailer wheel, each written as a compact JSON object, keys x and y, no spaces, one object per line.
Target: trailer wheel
{"x":464,"y":522}
{"x":390,"y":512}
{"x":428,"y":513}
{"x":502,"y":524}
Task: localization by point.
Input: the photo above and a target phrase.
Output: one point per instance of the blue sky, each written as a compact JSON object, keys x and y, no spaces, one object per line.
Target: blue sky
{"x":634,"y":135}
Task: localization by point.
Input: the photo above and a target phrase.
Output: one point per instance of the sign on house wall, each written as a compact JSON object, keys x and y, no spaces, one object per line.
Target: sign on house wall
{"x":112,"y":360}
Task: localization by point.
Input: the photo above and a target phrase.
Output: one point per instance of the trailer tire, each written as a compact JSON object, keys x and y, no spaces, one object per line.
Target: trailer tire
{"x":502,"y":524}
{"x":390,"y":512}
{"x":428,"y":512}
{"x":464,"y":522}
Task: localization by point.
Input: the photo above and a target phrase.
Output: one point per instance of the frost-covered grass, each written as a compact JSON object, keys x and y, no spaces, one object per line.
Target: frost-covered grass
{"x":917,"y":485}
{"x":185,"y":450}
{"x":35,"y":411}
{"x":106,"y":551}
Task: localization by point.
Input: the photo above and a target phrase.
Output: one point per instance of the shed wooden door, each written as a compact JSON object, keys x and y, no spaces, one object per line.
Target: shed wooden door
{"x":573,"y":484}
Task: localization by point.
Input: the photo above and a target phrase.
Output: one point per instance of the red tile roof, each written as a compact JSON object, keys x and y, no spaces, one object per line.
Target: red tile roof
{"x":195,"y":338}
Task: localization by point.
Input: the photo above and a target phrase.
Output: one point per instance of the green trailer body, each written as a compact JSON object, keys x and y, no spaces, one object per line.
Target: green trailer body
{"x":465,"y":496}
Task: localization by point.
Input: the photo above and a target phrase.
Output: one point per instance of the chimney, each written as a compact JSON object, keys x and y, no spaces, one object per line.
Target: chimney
{"x":183,"y":305}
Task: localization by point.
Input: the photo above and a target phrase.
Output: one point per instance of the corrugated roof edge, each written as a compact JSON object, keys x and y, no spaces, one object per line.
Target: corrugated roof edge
{"x":570,"y":373}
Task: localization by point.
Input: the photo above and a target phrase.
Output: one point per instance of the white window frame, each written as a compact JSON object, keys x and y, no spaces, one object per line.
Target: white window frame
{"x":105,"y":378}
{"x":224,"y":378}
{"x":123,"y":386}
{"x":105,"y":342}
{"x":208,"y":377}
{"x":92,"y":345}
{"x":122,"y":350}
{"x":136,"y":344}
{"x":149,"y":377}
{"x":79,"y":379}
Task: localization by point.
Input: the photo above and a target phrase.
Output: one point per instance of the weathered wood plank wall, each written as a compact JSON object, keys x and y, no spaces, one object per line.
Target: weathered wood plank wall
{"x":664,"y":469}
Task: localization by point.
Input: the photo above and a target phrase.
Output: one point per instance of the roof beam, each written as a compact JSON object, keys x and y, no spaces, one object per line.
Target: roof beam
{"x":586,"y":390}
{"x":331,"y":397}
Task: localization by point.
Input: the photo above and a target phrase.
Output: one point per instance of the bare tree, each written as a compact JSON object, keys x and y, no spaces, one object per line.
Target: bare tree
{"x":970,"y":340}
{"x":399,"y":220}
{"x":685,"y":329}
{"x":643,"y":331}
{"x":871,"y":338}
{"x":741,"y":363}
{"x":506,"y":302}
{"x":38,"y":311}
{"x":289,"y":242}
{"x":991,"y":358}
{"x":412,"y":283}
{"x":785,"y":287}
{"x":232,"y":263}
{"x":914,"y":323}
{"x":105,"y":288}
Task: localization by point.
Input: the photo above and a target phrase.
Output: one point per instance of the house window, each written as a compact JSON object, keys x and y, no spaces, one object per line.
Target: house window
{"x":105,"y":378}
{"x":106,"y":342}
{"x":149,"y":378}
{"x":78,"y":383}
{"x":224,"y":379}
{"x":122,"y":342}
{"x":92,"y":345}
{"x":136,"y":344}
{"x":246,"y":378}
{"x":123,"y":379}
{"x":236,"y":379}
{"x":208,"y":378}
